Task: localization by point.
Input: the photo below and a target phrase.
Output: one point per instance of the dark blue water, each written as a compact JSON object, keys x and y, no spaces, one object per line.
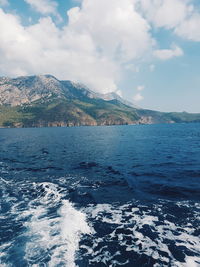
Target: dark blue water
{"x":100,"y":196}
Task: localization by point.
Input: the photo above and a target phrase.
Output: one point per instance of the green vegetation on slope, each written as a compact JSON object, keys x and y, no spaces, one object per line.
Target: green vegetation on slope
{"x":86,"y":111}
{"x":62,"y":112}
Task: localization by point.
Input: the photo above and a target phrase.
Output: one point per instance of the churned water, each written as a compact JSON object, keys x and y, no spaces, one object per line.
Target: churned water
{"x":100,"y":196}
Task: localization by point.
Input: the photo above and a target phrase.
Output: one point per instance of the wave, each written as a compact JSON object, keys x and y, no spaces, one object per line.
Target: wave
{"x":134,"y":235}
{"x":53,"y":228}
{"x":44,"y":228}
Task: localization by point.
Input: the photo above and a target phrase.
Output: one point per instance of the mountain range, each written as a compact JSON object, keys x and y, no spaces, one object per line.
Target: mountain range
{"x":44,"y":101}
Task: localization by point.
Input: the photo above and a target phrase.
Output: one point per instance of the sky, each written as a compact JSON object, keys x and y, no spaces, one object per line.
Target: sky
{"x":148,"y":51}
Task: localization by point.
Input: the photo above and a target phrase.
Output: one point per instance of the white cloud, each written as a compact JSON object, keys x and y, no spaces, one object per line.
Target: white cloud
{"x":132,"y":67}
{"x":4,"y":3}
{"x":165,"y":54}
{"x":140,"y":88}
{"x":181,"y":16}
{"x":44,"y":7}
{"x":89,"y":49}
{"x":190,"y":28}
{"x":43,"y":48}
{"x":122,"y":34}
{"x":166,"y":13}
{"x":138,"y":97}
{"x":102,"y":40}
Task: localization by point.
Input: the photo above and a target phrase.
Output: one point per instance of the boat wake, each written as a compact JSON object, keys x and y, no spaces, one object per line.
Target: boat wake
{"x":52,"y":229}
{"x":44,"y":228}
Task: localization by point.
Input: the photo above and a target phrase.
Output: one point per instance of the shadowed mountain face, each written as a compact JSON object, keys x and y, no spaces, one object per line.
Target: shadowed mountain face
{"x":36,"y":101}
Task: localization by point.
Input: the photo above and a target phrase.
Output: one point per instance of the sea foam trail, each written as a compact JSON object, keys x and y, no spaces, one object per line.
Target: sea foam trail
{"x":138,"y":231}
{"x":53,"y":237}
{"x":45,"y":229}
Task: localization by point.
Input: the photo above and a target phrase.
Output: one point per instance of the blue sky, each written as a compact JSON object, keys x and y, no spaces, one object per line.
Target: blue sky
{"x":146,"y":50}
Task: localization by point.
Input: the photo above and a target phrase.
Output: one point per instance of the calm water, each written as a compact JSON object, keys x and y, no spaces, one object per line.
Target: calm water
{"x":100,"y":196}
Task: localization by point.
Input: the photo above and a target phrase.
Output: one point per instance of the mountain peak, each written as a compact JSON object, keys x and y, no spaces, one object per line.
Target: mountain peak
{"x":27,"y":89}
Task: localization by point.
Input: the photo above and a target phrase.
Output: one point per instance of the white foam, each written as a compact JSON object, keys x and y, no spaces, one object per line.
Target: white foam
{"x":4,"y":180}
{"x":54,"y":228}
{"x":3,"y":252}
{"x":72,"y":225}
{"x":135,"y":222}
{"x":192,"y":262}
{"x":55,"y":239}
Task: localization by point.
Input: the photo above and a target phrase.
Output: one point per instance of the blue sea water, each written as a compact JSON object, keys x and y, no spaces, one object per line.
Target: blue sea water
{"x":100,"y":196}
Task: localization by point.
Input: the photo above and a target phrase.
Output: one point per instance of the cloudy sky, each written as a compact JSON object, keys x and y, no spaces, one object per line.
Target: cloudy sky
{"x":146,"y":50}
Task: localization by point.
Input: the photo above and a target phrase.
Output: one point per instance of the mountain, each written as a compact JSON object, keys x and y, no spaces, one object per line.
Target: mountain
{"x":115,"y":96}
{"x":36,"y":101}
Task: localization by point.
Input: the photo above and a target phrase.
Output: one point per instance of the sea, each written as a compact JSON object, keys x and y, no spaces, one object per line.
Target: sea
{"x":105,"y":196}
